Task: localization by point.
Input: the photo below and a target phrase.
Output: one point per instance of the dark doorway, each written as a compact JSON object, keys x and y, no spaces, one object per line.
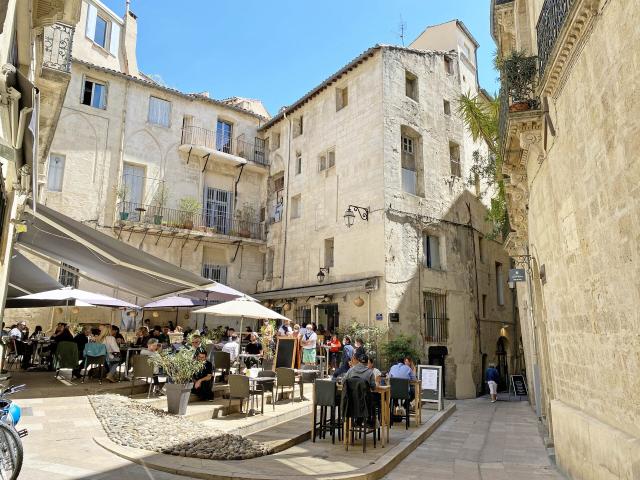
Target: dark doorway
{"x":437,"y":356}
{"x":502,"y":366}
{"x":328,"y":316}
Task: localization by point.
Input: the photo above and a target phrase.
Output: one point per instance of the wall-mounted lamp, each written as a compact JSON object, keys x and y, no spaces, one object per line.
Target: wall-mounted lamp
{"x":350,"y":215}
{"x":322,"y":273}
{"x":155,"y":314}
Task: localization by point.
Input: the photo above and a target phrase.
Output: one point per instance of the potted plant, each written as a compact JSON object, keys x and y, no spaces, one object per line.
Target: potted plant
{"x":245,"y":216}
{"x":122,"y":192}
{"x":189,"y":207}
{"x":519,"y":76}
{"x":266,"y":339}
{"x":161,"y":198}
{"x":180,"y":368}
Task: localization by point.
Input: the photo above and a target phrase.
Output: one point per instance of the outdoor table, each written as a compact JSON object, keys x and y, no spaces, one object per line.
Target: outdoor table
{"x":37,"y":351}
{"x":242,"y":356}
{"x":128,"y":351}
{"x":418,"y":401}
{"x":385,"y":413}
{"x":255,"y":381}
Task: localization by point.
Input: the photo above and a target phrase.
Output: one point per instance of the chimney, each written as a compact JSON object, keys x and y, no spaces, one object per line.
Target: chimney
{"x":130,"y":41}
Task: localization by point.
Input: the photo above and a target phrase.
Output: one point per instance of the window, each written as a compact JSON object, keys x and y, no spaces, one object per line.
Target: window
{"x":431,"y":250}
{"x":160,"y":112}
{"x":448,"y":65}
{"x":484,"y":306}
{"x":328,"y":253}
{"x":224,"y":135}
{"x":102,"y":31}
{"x":331,"y":158}
{"x":411,"y":85}
{"x":94,"y":94}
{"x":435,"y":313}
{"x":409,"y":176}
{"x":322,"y":162}
{"x":454,"y":159}
{"x":466,"y":51}
{"x":298,"y":163}
{"x":298,"y":126}
{"x":275,"y":142}
{"x":303,"y":316}
{"x":68,"y":275}
{"x":278,"y":183}
{"x":342,"y":98}
{"x":217,"y":273}
{"x":499,"y":284}
{"x":327,"y":160}
{"x":447,"y":107}
{"x":481,"y":249}
{"x":296,"y":206}
{"x":56,"y":173}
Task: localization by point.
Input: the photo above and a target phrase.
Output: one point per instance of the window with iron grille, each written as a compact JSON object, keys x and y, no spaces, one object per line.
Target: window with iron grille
{"x":454,"y":157}
{"x":435,"y":314}
{"x":68,"y":275}
{"x":303,"y":316}
{"x":217,"y":273}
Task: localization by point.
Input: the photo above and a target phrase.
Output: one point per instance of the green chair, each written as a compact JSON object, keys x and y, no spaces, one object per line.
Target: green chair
{"x":66,"y":356}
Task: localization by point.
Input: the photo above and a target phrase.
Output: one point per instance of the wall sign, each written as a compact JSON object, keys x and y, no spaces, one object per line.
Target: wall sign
{"x":517,"y":275}
{"x":394,"y":317}
{"x":379,"y":317}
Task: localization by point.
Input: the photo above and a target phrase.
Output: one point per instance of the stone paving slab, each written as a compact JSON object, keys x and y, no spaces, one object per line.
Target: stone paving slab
{"x":319,"y":460}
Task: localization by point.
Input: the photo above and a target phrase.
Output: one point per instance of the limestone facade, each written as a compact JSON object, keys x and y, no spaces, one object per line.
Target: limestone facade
{"x":446,"y":297}
{"x":575,"y":199}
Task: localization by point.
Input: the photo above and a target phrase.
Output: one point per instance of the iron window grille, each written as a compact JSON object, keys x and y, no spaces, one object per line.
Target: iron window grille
{"x":435,"y":314}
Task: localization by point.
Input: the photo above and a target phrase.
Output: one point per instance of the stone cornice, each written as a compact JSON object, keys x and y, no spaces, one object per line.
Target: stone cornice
{"x":504,"y":27}
{"x":575,"y":30}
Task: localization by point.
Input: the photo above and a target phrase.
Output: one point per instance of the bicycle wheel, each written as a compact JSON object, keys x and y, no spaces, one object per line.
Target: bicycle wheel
{"x":10,"y":453}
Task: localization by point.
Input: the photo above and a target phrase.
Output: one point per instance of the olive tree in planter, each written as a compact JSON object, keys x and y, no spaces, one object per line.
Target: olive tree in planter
{"x":180,"y":368}
{"x":122,"y":192}
{"x":518,"y":74}
{"x":161,"y":198}
{"x":189,"y":207}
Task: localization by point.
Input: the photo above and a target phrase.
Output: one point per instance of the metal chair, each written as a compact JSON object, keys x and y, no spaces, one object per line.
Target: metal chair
{"x":239,"y":390}
{"x":285,"y":378}
{"x":358,"y":411}
{"x":66,"y":356}
{"x":142,"y":369}
{"x":95,"y":355}
{"x":400,"y":392}
{"x":326,"y":398}
{"x":307,"y":377}
{"x":267,"y":385}
{"x":222,"y":362}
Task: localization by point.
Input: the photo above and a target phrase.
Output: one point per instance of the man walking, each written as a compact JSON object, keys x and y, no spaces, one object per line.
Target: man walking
{"x":492,"y":380}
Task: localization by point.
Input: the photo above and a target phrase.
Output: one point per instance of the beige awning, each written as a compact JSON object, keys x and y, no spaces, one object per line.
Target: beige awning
{"x":25,"y":277}
{"x":360,"y":285}
{"x":104,"y":258}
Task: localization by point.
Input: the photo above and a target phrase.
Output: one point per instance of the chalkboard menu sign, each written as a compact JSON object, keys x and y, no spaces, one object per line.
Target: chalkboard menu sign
{"x":286,"y":349}
{"x":518,"y":386}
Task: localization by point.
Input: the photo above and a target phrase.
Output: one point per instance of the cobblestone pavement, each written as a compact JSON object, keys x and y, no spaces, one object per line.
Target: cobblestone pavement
{"x":481,"y":441}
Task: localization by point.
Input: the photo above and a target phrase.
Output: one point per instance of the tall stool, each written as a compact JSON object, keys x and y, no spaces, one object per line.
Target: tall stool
{"x":326,"y":398}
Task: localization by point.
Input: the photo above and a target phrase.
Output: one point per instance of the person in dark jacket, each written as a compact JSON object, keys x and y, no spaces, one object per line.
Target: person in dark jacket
{"x":81,"y":339}
{"x":361,"y":370}
{"x":493,"y":376}
{"x":347,"y":354}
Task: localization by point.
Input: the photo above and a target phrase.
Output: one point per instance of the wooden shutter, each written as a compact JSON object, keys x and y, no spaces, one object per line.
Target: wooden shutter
{"x":114,"y":41}
{"x":92,"y":16}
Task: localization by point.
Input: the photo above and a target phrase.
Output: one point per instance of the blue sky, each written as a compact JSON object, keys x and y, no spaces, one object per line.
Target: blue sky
{"x":278,"y":50}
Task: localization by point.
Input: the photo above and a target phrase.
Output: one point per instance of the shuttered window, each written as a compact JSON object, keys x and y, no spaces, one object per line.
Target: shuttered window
{"x":217,"y":273}
{"x":159,"y":112}
{"x":56,"y":173}
{"x":431,"y":249}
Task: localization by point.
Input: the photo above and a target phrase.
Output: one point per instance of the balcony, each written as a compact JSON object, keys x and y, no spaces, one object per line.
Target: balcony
{"x":204,"y":143}
{"x":145,"y":218}
{"x":550,"y":23}
{"x":56,"y":47}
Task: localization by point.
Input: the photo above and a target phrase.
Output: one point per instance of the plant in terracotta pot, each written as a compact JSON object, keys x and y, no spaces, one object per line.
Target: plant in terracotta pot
{"x":189,"y":208}
{"x":518,"y":74}
{"x":122,"y":194}
{"x":179,"y":367}
{"x":160,"y":199}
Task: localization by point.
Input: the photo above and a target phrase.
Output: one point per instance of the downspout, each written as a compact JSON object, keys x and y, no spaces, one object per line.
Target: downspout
{"x":285,"y":210}
{"x":235,"y":186}
{"x":477,"y":293}
{"x":121,"y":153}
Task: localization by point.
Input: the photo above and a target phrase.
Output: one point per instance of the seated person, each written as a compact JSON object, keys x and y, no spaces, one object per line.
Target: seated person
{"x":157,"y":333}
{"x":253,"y":348}
{"x":142,"y":337}
{"x":196,"y":344}
{"x":17,"y":334}
{"x":362,"y":371}
{"x":37,"y":333}
{"x":376,"y":373}
{"x":153,"y":346}
{"x":232,"y":347}
{"x":115,"y":333}
{"x":402,"y":370}
{"x":202,"y":381}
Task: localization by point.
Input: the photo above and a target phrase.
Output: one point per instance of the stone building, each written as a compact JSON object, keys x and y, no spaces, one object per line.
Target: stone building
{"x":35,"y":51}
{"x":181,"y":176}
{"x":379,"y":144}
{"x":573,"y":198}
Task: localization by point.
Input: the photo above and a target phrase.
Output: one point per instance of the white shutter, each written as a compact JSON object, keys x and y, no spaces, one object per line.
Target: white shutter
{"x":434,"y":250}
{"x":56,"y":173}
{"x":115,"y":39}
{"x":92,"y":16}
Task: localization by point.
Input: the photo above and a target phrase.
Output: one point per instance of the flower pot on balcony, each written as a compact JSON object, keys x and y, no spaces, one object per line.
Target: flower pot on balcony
{"x":124,"y":216}
{"x":519,"y":107}
{"x":244,"y":232}
{"x":187,"y":224}
{"x":157,"y":219}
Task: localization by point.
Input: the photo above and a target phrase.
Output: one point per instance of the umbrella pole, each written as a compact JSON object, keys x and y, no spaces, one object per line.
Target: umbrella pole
{"x":177,"y":310}
{"x":241,"y":321}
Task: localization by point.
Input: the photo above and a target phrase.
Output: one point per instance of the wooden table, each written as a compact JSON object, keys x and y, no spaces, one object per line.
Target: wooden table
{"x":418,"y":401}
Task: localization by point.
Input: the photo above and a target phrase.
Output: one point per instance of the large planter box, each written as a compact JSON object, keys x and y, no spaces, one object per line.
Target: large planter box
{"x":178,"y":397}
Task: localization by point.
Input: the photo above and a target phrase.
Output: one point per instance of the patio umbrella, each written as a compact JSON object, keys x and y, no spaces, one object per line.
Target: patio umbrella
{"x":218,"y":292}
{"x":173,"y":302}
{"x":244,"y":307}
{"x":68,"y":296}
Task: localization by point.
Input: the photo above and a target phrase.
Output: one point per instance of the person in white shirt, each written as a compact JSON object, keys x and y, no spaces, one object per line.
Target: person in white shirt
{"x":285,"y":329}
{"x":16,"y":332}
{"x":113,"y":351}
{"x":232,"y":347}
{"x":309,"y":341}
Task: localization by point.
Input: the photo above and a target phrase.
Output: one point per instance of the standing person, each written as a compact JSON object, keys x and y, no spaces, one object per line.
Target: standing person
{"x":309,"y":342}
{"x":360,"y":350}
{"x":334,"y":349}
{"x":492,"y":380}
{"x":347,"y":354}
{"x":285,"y":329}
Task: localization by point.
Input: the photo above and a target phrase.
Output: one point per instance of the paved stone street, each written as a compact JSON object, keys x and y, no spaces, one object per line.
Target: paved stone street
{"x":481,"y":441}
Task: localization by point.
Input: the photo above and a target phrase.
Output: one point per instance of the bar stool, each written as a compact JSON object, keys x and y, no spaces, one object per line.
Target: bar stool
{"x":326,"y":393}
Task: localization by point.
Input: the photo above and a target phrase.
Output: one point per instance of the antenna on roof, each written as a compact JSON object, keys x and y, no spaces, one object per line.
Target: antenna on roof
{"x":402,"y":28}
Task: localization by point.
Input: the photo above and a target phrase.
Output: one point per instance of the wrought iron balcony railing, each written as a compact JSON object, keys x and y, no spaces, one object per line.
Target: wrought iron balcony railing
{"x":198,"y":136}
{"x":207,"y":221}
{"x":57,"y":42}
{"x":253,"y":151}
{"x":550,"y":23}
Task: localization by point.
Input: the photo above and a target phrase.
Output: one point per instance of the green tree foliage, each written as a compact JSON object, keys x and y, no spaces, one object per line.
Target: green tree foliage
{"x":400,"y":347}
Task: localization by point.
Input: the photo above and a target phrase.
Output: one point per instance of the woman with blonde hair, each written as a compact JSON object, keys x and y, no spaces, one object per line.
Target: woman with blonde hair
{"x":113,"y":351}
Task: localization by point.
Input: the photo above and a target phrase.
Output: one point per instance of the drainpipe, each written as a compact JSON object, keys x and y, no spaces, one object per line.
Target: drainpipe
{"x":285,"y":210}
{"x":121,"y":153}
